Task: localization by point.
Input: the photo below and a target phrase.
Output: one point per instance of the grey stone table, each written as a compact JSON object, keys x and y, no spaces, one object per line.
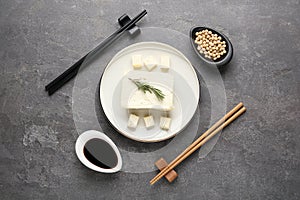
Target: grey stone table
{"x":256,"y":158}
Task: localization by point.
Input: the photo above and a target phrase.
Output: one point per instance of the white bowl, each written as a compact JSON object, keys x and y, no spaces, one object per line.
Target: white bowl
{"x":92,"y":134}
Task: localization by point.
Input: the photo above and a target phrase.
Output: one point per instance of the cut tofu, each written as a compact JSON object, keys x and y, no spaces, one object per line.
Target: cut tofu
{"x":137,"y":61}
{"x":133,"y":121}
{"x":132,"y":98}
{"x":165,"y":63}
{"x":165,"y":123}
{"x":150,"y":63}
{"x":149,"y":121}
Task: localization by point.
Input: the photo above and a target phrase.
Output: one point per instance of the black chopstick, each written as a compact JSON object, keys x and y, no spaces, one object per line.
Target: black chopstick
{"x":71,"y":72}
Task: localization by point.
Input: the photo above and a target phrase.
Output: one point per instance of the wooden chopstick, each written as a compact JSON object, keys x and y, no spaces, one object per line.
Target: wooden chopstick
{"x":72,"y":71}
{"x":211,"y":129}
{"x":218,"y":123}
{"x":228,"y":118}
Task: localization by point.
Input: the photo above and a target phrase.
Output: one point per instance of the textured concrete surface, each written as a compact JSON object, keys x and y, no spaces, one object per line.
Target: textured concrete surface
{"x":256,"y":158}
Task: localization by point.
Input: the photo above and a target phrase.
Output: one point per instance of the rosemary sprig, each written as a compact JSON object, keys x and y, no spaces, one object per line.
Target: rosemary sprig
{"x":146,"y":87}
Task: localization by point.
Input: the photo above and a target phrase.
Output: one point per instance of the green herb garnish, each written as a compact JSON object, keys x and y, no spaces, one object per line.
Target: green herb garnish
{"x":146,"y":87}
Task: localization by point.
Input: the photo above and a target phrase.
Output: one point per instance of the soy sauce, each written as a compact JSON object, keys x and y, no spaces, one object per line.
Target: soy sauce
{"x":100,"y":153}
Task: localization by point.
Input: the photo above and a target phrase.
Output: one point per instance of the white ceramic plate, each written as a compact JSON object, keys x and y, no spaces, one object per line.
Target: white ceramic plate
{"x":186,"y":91}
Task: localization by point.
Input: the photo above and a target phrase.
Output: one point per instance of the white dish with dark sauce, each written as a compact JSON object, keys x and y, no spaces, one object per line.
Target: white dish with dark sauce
{"x":98,"y":152}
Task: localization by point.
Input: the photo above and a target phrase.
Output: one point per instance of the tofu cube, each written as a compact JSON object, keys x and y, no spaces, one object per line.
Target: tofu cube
{"x":150,"y":63}
{"x":165,"y":123}
{"x":165,"y":63}
{"x":133,"y":121}
{"x":137,"y":61}
{"x":149,"y":121}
